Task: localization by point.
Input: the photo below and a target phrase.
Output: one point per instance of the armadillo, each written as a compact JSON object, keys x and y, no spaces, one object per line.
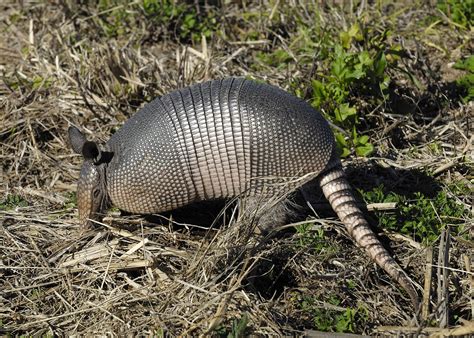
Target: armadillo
{"x":221,"y":139}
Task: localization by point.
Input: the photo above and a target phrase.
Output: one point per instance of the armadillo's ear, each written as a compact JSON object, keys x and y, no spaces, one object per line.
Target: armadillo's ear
{"x":77,"y":139}
{"x":90,"y":151}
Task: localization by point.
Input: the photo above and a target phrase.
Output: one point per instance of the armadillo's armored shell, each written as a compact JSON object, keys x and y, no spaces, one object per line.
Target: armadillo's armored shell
{"x":214,"y":140}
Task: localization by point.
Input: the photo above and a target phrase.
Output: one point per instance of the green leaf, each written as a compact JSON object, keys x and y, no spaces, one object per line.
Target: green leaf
{"x":380,"y":65}
{"x":467,"y":64}
{"x":340,"y":138}
{"x":343,"y":112}
{"x":319,"y":93}
{"x":357,"y":73}
{"x":342,"y":145}
{"x":338,"y":68}
{"x":364,"y":58}
{"x":354,"y":31}
{"x":345,"y":39}
{"x":364,"y":150}
{"x":363,"y":139}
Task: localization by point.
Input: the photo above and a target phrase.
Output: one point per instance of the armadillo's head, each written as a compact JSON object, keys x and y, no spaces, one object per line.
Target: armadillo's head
{"x":92,"y":197}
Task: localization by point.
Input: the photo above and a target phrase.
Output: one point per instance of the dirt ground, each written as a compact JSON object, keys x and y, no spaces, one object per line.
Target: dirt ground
{"x":94,"y":64}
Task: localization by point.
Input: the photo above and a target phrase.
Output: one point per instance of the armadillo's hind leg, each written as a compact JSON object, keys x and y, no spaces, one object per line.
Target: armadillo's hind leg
{"x":265,"y":213}
{"x":339,"y":194}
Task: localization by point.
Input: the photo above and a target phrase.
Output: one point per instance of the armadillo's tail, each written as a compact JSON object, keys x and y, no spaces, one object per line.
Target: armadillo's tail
{"x":339,"y":194}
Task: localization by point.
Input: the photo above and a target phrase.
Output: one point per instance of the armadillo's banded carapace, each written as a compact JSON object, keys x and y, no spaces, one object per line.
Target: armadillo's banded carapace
{"x":216,"y":139}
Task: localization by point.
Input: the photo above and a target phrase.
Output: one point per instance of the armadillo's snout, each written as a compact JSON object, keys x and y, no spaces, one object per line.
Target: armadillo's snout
{"x":90,"y":194}
{"x":84,"y":204}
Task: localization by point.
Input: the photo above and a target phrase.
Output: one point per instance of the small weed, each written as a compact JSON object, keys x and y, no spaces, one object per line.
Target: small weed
{"x":16,"y":82}
{"x":351,"y":284}
{"x":239,"y":325}
{"x":159,"y":332}
{"x":194,"y":26}
{"x":13,"y":201}
{"x":419,"y":216}
{"x":40,"y":82}
{"x":188,"y":24}
{"x":329,"y":320}
{"x":279,"y":58}
{"x":467,"y":81}
{"x":314,"y":238}
{"x":361,"y":73}
{"x":71,"y":201}
{"x":459,"y":11}
{"x":118,"y":18}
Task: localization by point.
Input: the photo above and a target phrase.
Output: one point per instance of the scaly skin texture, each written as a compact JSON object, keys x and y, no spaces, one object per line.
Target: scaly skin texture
{"x":339,"y":194}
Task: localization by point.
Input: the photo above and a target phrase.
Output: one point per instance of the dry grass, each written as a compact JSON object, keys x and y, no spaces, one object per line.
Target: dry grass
{"x":57,"y":69}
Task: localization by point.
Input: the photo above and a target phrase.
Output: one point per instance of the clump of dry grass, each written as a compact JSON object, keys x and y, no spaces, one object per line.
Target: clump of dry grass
{"x":129,"y":276}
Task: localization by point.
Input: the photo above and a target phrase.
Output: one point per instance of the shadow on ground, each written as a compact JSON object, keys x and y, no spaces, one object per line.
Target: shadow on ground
{"x":270,"y":277}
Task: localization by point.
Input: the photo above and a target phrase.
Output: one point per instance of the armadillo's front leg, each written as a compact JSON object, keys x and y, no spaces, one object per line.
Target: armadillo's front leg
{"x":339,"y":194}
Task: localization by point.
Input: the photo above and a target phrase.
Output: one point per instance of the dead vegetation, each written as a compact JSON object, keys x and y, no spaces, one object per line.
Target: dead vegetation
{"x":64,"y":64}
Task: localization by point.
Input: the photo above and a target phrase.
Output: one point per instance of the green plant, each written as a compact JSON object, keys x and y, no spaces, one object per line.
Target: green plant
{"x":114,"y":18}
{"x":467,"y":81}
{"x":459,"y":11}
{"x":71,"y":200}
{"x":37,"y":82}
{"x":184,"y":19}
{"x":239,"y":325}
{"x":13,"y":201}
{"x":195,"y":26}
{"x":352,"y":67}
{"x":417,"y":215}
{"x":118,"y":18}
{"x":279,"y":58}
{"x":351,"y":72}
{"x":331,"y":320}
{"x":314,"y":238}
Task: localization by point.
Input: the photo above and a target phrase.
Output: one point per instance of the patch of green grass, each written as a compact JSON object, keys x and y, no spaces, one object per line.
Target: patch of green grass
{"x":278,"y":58}
{"x":315,"y":239}
{"x":236,"y":330}
{"x":13,"y":201}
{"x":71,"y":200}
{"x":188,"y":24}
{"x":459,"y":11}
{"x":16,"y":81}
{"x":40,"y":82}
{"x":114,"y":17}
{"x":119,"y":18}
{"x":419,"y":216}
{"x":159,"y":333}
{"x":329,"y":320}
{"x":467,"y":81}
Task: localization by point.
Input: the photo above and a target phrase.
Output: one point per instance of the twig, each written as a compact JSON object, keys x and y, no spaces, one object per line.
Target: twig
{"x":427,"y":287}
{"x":467,"y":263}
{"x":443,"y":295}
{"x":382,"y":206}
